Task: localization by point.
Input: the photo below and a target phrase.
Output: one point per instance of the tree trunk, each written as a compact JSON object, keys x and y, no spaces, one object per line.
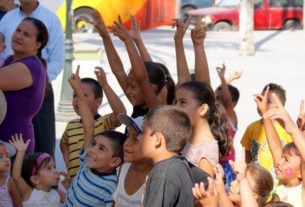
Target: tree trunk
{"x":246,"y":27}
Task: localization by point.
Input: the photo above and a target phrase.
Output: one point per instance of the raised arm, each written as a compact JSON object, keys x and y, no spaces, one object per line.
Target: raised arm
{"x":201,"y":63}
{"x":182,"y":68}
{"x":114,"y":59}
{"x":115,"y":102}
{"x":21,"y":147}
{"x":135,"y":33}
{"x":273,"y":138}
{"x":234,"y":76}
{"x":301,"y":117}
{"x":137,"y":64}
{"x":84,"y":110}
{"x":226,"y":95}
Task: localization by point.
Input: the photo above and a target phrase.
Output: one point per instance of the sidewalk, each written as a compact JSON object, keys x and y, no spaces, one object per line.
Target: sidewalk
{"x":279,"y":58}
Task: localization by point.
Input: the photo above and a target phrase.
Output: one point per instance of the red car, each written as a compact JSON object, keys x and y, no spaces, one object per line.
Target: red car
{"x":268,"y":14}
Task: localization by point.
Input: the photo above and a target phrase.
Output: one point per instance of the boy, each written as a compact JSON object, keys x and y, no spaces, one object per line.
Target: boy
{"x":255,"y":141}
{"x":73,"y":137}
{"x":164,"y":135}
{"x":96,"y":180}
{"x":2,"y":47}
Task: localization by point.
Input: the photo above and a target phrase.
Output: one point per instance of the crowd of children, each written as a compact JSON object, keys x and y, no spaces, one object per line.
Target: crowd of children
{"x":177,"y":149}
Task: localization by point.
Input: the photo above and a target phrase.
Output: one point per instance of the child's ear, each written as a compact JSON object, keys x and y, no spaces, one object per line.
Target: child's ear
{"x":204,"y":108}
{"x":34,"y":180}
{"x":159,"y":139}
{"x":99,"y":101}
{"x":115,"y":161}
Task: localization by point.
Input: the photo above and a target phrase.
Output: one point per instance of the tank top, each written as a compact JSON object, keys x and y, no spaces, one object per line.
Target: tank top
{"x":5,"y":197}
{"x":121,"y":198}
{"x":39,"y":198}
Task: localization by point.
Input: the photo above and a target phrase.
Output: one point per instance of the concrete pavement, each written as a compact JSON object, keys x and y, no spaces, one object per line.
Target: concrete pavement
{"x":280,"y":58}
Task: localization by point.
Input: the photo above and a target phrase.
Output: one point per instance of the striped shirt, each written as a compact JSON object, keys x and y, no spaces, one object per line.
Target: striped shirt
{"x":91,"y":188}
{"x":74,"y":138}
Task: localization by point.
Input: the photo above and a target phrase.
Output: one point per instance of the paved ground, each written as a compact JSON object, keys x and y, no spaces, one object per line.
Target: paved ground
{"x":280,"y":58}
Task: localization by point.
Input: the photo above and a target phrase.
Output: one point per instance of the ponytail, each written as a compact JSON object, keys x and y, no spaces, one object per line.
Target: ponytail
{"x":220,"y":127}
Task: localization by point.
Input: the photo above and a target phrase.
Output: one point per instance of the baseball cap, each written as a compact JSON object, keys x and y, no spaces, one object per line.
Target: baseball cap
{"x":136,"y":123}
{"x":3,"y":106}
{"x":10,"y":148}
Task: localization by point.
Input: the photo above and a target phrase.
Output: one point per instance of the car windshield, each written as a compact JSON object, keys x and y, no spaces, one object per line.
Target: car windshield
{"x":228,"y":3}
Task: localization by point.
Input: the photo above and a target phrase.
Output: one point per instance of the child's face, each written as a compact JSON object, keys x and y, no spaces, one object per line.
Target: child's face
{"x":100,"y":155}
{"x":134,"y":91}
{"x":5,"y":162}
{"x":92,"y":102}
{"x":186,"y":103}
{"x":147,"y":140}
{"x":132,"y":147}
{"x":47,"y":175}
{"x":288,"y":170}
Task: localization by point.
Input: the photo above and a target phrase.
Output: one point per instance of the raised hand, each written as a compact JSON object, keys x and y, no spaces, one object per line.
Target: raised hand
{"x":101,"y":76}
{"x":219,"y":176}
{"x":198,"y":34}
{"x":135,"y":31}
{"x":206,"y":198}
{"x":240,"y":168}
{"x":181,"y":27}
{"x":99,"y":24}
{"x":221,"y":70}
{"x":301,"y":117}
{"x":119,"y":30}
{"x":18,"y":143}
{"x":75,"y":81}
{"x":237,"y":74}
{"x":262,"y":102}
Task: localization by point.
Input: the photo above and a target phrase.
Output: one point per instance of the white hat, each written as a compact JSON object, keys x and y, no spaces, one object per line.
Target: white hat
{"x":10,"y":148}
{"x":136,"y":123}
{"x":3,"y":107}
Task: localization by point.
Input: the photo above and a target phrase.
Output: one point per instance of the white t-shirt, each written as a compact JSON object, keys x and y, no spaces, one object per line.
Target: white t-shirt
{"x":291,"y":195}
{"x":121,"y":198}
{"x":39,"y":198}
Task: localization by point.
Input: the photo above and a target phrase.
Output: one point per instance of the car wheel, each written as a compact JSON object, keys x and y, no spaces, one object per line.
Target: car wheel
{"x":185,"y":10}
{"x":81,"y":18}
{"x":222,"y":26}
{"x":291,"y":25}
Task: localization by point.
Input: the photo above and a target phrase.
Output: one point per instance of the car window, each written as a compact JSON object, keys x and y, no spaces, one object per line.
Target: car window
{"x":258,"y":3}
{"x":228,"y":3}
{"x":285,"y":3}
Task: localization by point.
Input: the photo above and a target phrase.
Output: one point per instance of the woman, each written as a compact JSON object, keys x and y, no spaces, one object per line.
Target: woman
{"x":23,"y":79}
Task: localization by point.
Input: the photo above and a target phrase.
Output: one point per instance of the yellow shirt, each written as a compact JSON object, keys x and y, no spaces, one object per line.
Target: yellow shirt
{"x":255,"y":141}
{"x":74,"y":138}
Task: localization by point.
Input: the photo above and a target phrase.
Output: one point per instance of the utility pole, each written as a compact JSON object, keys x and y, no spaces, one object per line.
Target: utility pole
{"x":246,"y":27}
{"x":65,"y":111}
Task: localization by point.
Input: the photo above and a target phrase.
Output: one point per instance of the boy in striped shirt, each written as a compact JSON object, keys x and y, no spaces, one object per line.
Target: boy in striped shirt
{"x":96,"y":180}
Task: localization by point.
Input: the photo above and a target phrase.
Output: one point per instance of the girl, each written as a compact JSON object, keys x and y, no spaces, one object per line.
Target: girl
{"x":133,"y":173}
{"x":9,"y":194}
{"x":209,"y":140}
{"x":35,"y":177}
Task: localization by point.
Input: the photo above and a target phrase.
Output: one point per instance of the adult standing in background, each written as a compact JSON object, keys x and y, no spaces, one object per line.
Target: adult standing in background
{"x":44,"y":121}
{"x":5,"y":6}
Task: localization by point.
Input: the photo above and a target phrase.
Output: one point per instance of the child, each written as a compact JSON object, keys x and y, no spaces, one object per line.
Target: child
{"x":209,"y":140}
{"x":96,"y":179}
{"x":9,"y":194}
{"x":254,"y":139}
{"x":288,"y":160}
{"x":2,"y":47}
{"x":73,"y":137}
{"x":131,"y":185}
{"x":164,"y":135}
{"x":35,"y":177}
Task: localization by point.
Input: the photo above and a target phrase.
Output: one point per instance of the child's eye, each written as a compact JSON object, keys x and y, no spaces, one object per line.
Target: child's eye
{"x":102,"y":149}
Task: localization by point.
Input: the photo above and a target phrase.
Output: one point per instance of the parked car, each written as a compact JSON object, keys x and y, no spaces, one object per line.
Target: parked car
{"x":268,"y":14}
{"x":188,"y":5}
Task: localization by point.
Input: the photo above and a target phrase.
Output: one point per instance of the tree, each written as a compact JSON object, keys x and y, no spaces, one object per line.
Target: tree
{"x":246,"y":27}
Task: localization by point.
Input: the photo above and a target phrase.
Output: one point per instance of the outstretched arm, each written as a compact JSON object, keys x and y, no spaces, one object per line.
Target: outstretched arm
{"x":115,"y":102}
{"x":226,"y":95}
{"x":234,"y":76}
{"x":84,"y":110}
{"x":201,"y":63}
{"x":182,"y":68}
{"x":273,"y":138}
{"x":137,"y":64}
{"x":114,"y":59}
{"x":135,"y":33}
{"x":21,"y":147}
